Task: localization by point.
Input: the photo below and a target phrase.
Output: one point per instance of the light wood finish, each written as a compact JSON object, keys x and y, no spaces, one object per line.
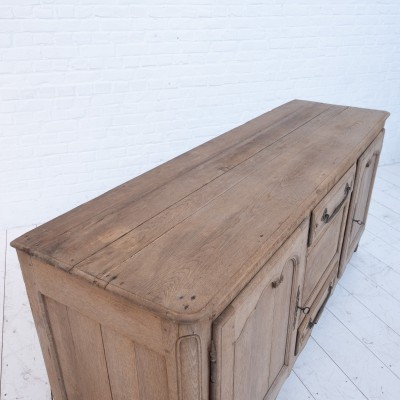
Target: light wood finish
{"x":337,"y":200}
{"x":256,"y":332}
{"x":326,"y":237}
{"x":203,"y":258}
{"x":316,"y":309}
{"x":71,"y":322}
{"x":291,"y":144}
{"x":366,"y":171}
{"x":79,"y":347}
{"x":327,"y":367}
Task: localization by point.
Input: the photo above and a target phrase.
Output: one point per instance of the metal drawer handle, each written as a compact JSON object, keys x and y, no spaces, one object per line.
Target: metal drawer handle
{"x":326,"y":217}
{"x":319,"y":313}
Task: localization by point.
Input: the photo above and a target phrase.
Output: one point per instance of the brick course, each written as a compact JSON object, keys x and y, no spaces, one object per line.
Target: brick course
{"x":95,"y":92}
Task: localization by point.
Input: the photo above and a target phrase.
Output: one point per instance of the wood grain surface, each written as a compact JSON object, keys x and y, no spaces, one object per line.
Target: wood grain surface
{"x":183,"y":239}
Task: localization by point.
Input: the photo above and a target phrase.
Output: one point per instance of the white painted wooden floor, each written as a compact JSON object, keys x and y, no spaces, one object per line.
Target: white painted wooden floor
{"x":354,"y":352}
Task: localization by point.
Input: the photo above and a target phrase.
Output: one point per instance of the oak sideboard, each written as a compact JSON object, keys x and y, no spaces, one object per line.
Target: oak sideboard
{"x":203,"y":278}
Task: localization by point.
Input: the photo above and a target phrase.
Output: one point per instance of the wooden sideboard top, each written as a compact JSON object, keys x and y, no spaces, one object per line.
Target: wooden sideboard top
{"x":184,"y":238}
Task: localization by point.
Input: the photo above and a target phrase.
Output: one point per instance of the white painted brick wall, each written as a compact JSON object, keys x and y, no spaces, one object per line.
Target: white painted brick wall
{"x":94,"y":92}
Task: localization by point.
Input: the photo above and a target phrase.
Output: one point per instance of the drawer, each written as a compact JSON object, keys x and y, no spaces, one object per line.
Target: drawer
{"x":315,"y":311}
{"x":331,"y":205}
{"x":328,"y":222}
{"x":321,"y":258}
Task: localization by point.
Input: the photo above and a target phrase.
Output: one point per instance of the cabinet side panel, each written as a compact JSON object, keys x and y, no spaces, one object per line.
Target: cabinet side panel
{"x":121,"y":362}
{"x":80,"y":351}
{"x":42,"y":327}
{"x":152,"y":374}
{"x":189,"y":367}
{"x":85,"y":328}
{"x":57,"y":317}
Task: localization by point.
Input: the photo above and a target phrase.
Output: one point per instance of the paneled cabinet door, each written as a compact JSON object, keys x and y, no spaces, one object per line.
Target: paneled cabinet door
{"x":366,"y":169}
{"x":254,"y":337}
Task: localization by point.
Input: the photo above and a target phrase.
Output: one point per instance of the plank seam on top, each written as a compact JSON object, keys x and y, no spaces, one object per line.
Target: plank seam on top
{"x":368,"y":127}
{"x":67,"y":266}
{"x":76,"y":266}
{"x":185,"y":171}
{"x":176,"y":314}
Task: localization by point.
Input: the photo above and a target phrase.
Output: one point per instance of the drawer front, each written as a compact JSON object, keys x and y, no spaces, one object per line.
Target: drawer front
{"x":321,"y":257}
{"x":315,"y":311}
{"x":328,"y":221}
{"x":331,"y":205}
{"x":254,"y":337}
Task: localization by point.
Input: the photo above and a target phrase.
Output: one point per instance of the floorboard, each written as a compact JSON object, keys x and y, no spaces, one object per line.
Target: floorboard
{"x":373,"y":333}
{"x":3,"y":250}
{"x":385,"y":214}
{"x":386,"y":232}
{"x":23,"y":374}
{"x":372,"y":378}
{"x":322,"y":377}
{"x":378,"y":272}
{"x":380,"y":249}
{"x":354,"y":351}
{"x":376,"y":299}
{"x":295,"y":385}
{"x":390,"y":173}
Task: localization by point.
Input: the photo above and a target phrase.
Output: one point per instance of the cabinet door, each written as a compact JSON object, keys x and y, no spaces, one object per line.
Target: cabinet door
{"x":357,"y":217}
{"x":254,"y":337}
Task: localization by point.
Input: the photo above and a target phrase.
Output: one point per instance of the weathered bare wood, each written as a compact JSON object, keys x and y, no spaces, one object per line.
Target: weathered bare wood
{"x":240,"y":226}
{"x":194,"y":168}
{"x":357,"y":218}
{"x":122,"y":366}
{"x":188,"y":281}
{"x":255,"y":333}
{"x":326,"y":237}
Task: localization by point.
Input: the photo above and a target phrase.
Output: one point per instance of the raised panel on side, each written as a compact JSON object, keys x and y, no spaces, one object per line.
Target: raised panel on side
{"x":254,"y":337}
{"x":135,"y":371}
{"x":122,"y":339}
{"x":79,"y":346}
{"x":98,"y":363}
{"x":152,"y":374}
{"x":122,"y":367}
